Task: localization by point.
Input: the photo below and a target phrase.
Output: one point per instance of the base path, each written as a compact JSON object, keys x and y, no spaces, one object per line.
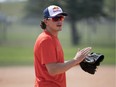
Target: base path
{"x":23,"y":76}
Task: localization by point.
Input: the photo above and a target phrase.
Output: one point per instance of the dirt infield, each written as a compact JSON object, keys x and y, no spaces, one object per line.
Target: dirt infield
{"x":24,"y":77}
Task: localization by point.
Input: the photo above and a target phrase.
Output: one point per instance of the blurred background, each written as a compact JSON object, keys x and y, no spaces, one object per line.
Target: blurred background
{"x":90,"y":23}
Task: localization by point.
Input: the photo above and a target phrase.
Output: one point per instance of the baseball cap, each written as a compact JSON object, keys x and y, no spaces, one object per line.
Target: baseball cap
{"x":53,"y":11}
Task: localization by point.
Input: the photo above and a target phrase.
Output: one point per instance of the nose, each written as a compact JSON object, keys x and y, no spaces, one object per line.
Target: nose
{"x":60,"y":21}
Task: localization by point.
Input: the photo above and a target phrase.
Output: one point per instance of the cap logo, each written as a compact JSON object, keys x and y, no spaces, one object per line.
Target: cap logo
{"x":56,"y":9}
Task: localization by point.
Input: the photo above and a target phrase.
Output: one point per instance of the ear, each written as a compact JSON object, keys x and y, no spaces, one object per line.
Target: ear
{"x":45,"y":21}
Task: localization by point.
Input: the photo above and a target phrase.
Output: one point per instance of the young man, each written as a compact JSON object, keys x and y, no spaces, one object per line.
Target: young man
{"x":49,"y":63}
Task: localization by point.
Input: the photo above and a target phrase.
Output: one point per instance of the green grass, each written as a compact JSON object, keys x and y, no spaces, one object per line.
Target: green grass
{"x":24,"y":55}
{"x":16,"y":56}
{"x":108,"y":52}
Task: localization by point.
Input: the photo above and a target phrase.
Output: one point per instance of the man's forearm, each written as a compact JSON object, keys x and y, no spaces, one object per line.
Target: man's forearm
{"x":57,"y":68}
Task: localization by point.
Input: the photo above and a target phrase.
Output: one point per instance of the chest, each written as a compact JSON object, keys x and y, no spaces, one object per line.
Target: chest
{"x":59,"y":51}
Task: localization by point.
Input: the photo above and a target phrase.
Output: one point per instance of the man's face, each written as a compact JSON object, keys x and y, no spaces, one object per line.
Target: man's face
{"x":55,"y":24}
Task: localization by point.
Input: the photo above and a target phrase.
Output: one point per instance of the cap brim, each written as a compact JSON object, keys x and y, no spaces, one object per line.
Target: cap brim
{"x":60,"y":14}
{"x":64,"y":14}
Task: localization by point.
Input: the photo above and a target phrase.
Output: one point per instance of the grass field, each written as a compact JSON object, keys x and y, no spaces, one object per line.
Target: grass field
{"x":24,"y":55}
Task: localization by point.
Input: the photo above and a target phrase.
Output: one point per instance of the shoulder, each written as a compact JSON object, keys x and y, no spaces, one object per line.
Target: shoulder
{"x":44,"y":38}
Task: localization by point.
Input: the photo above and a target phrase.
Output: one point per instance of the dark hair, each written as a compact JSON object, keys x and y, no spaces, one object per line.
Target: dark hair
{"x":43,"y":25}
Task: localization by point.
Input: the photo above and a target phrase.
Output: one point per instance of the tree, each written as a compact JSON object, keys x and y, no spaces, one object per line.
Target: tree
{"x":109,"y":8}
{"x":80,"y":9}
{"x":77,"y":10}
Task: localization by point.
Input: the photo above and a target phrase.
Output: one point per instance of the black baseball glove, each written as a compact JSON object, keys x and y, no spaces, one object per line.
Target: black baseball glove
{"x":90,"y":63}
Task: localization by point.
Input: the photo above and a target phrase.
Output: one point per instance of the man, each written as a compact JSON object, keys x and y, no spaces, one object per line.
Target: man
{"x":50,"y":66}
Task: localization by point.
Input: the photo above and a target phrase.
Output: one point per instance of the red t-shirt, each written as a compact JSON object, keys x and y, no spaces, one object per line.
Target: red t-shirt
{"x":47,"y":49}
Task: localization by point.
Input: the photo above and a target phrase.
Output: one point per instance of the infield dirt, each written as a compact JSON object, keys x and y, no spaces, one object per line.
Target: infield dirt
{"x":23,"y":76}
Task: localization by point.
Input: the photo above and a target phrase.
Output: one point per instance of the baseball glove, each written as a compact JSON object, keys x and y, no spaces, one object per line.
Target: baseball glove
{"x":90,"y":63}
